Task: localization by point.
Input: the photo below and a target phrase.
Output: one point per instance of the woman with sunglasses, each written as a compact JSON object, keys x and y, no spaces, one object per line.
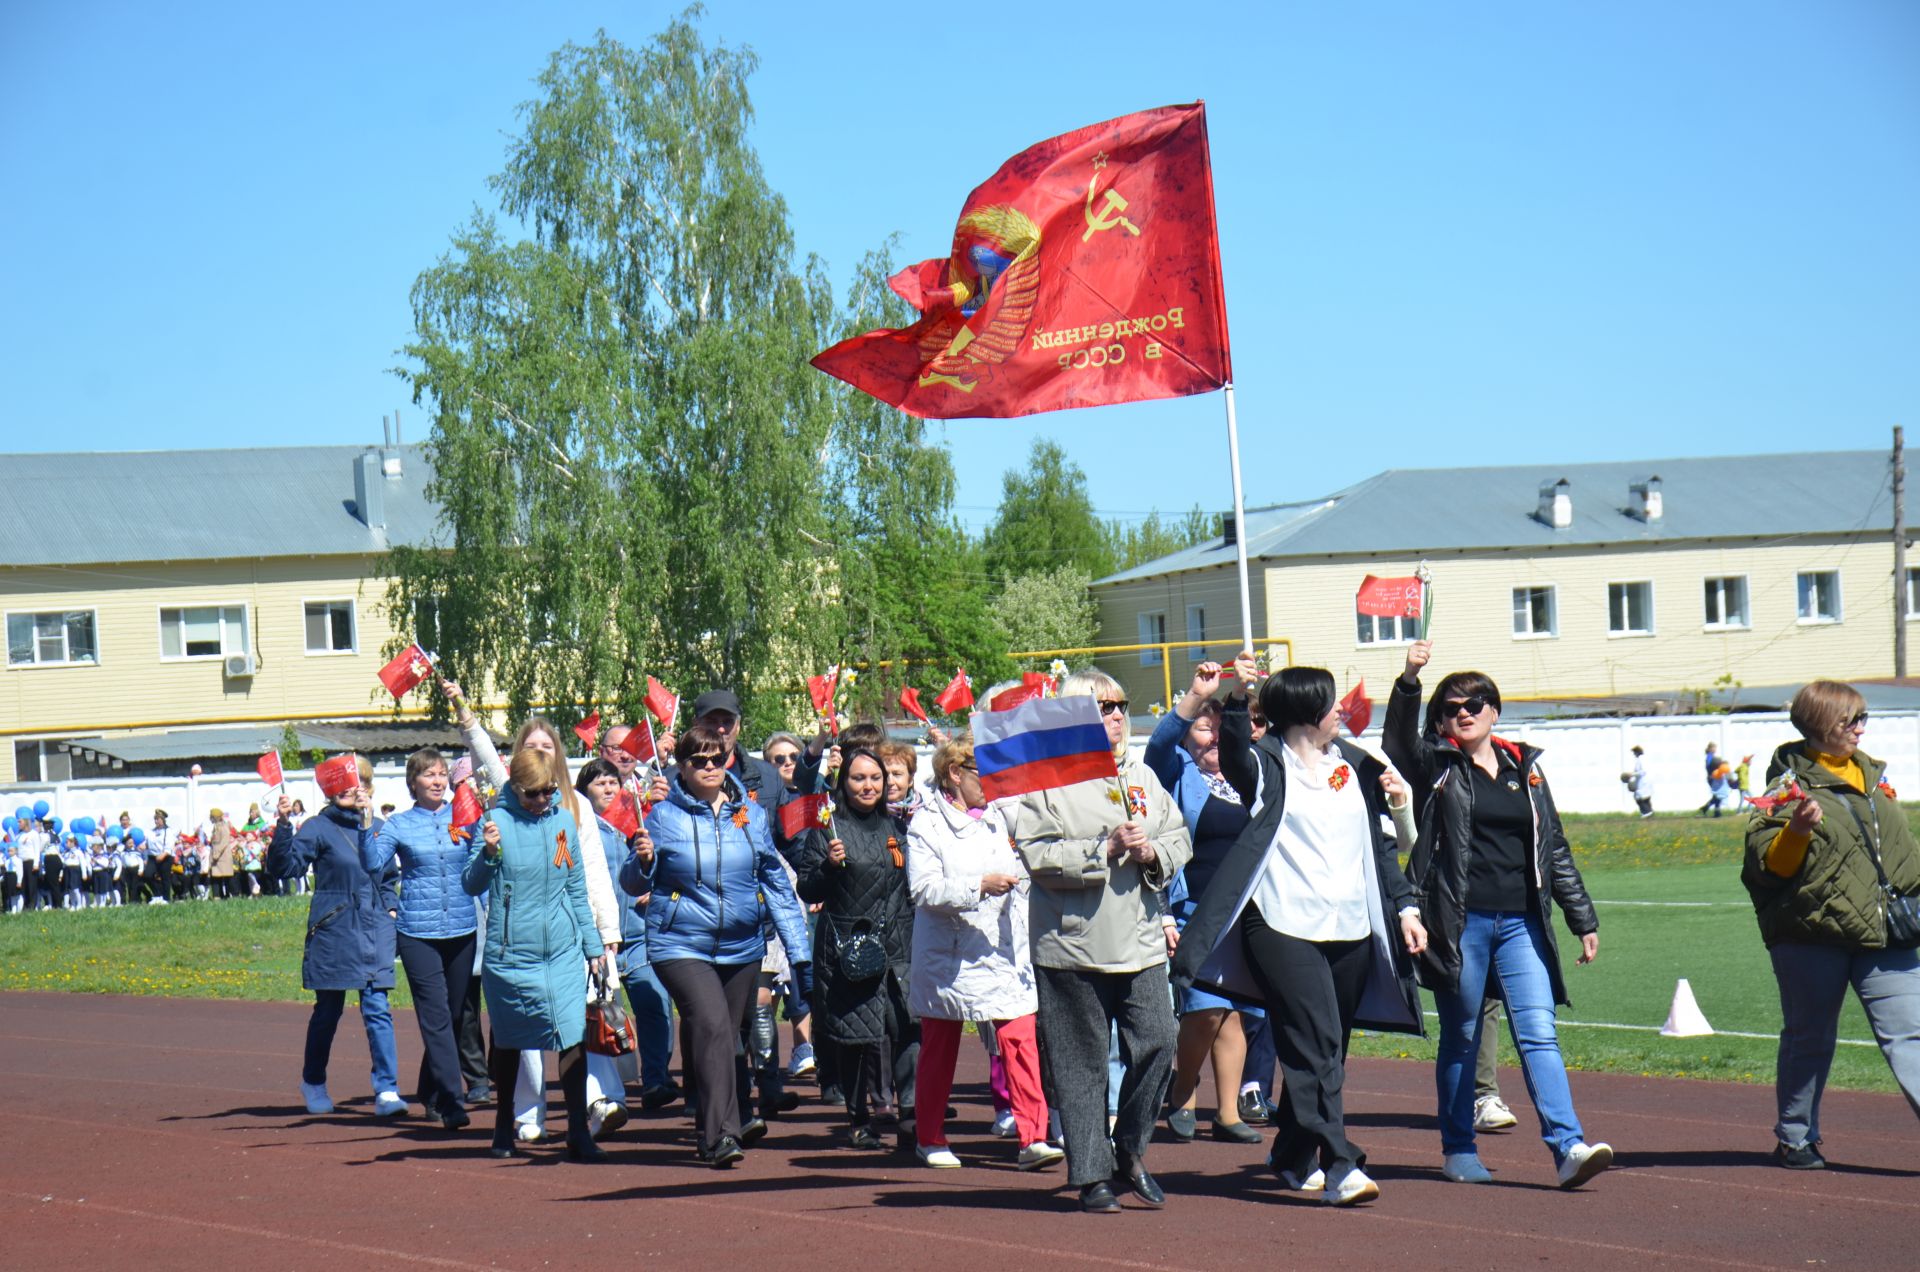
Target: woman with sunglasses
{"x":540,"y":938}
{"x":1491,"y":862}
{"x":1834,"y":873}
{"x":1101,"y":854}
{"x":709,"y":863}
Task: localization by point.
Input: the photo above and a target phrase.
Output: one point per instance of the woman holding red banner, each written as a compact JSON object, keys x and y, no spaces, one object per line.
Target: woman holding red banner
{"x":1101,"y":853}
{"x":436,"y":926}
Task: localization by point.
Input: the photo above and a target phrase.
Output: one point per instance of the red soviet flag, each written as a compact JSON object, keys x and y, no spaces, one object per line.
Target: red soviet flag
{"x":406,"y":671}
{"x":1086,"y":271}
{"x":269,"y":769}
{"x":1355,"y":711}
{"x":466,"y":812}
{"x":797,"y":816}
{"x":957,"y":696}
{"x":588,"y":730}
{"x":623,"y":815}
{"x":662,"y":703}
{"x":910,"y":703}
{"x":639,"y":743}
{"x":1389,"y":598}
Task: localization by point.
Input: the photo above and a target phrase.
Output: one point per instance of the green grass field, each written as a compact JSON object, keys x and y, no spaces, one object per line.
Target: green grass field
{"x":251,"y":950}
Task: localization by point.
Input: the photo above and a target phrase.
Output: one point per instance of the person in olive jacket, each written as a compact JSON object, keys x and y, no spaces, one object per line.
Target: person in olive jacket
{"x":1834,"y":873}
{"x":1490,"y":863}
{"x":350,"y":929}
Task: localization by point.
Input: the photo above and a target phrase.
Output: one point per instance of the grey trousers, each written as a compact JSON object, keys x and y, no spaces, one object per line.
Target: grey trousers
{"x":1813,"y":985}
{"x":1486,"y":1072}
{"x":1076,"y":1009}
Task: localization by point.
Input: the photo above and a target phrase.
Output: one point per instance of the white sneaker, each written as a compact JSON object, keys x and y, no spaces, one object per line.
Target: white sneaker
{"x":315,"y":1094}
{"x":941,"y":1158}
{"x":389,"y":1104}
{"x":605,"y":1117}
{"x":1040,"y":1156}
{"x":1583,"y":1162}
{"x":1316,"y":1182}
{"x":1004,"y":1127}
{"x":528,"y":1132}
{"x":1490,"y":1113}
{"x":1353,"y":1190}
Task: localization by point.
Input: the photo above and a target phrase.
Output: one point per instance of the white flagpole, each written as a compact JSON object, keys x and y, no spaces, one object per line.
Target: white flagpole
{"x":1239,"y":522}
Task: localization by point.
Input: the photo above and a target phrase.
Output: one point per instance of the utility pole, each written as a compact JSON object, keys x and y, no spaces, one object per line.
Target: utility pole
{"x":1899,"y":552}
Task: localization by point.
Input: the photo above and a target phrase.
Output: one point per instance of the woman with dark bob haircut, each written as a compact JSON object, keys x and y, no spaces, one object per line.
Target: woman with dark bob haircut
{"x":1490,"y":862}
{"x":1310,"y":913}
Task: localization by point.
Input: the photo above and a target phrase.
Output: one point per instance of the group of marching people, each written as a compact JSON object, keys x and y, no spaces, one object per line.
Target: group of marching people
{"x":84,"y":862}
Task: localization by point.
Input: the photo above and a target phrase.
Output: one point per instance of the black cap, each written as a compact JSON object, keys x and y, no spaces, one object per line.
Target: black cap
{"x":716,"y":700}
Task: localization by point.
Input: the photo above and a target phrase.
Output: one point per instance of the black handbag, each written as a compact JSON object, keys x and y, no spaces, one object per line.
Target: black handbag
{"x":1903,"y":912}
{"x":862,"y":955}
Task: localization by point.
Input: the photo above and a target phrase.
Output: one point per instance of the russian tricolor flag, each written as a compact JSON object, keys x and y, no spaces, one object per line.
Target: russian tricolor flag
{"x":1041,"y":744}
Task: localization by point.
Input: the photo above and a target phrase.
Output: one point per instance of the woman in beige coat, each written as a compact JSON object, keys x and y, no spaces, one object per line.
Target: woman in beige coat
{"x":223,"y":858}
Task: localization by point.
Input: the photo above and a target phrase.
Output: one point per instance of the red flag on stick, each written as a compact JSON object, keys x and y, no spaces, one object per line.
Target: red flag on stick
{"x":1008,"y":699}
{"x":663,"y":704}
{"x":269,"y":769}
{"x":821,"y":690}
{"x":639,"y":742}
{"x":622,"y":815}
{"x":957,"y":696}
{"x":1792,"y":794}
{"x":466,"y":812}
{"x":404,"y":672}
{"x":1389,"y":598}
{"x":1086,"y":271}
{"x":1355,"y":711}
{"x":910,"y":703}
{"x":588,"y":730}
{"x":797,"y":816}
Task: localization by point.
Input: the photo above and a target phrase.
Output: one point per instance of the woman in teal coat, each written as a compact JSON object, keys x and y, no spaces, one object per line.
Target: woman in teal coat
{"x":540,"y":937}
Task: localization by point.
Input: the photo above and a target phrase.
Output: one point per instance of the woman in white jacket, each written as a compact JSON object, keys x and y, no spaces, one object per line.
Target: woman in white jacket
{"x":971,"y":957}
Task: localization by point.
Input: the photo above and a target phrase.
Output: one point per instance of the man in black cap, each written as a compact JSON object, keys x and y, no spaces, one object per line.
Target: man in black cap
{"x":719,"y":710}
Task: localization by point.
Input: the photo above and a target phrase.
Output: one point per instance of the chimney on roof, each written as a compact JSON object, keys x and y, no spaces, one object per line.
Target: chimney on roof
{"x":390,"y":446}
{"x":369,"y":495}
{"x":1230,"y":529}
{"x":1556,"y":504}
{"x":1643,"y":500}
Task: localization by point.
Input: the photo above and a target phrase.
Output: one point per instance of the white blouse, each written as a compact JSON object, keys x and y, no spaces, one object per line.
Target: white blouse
{"x":1314,"y":884}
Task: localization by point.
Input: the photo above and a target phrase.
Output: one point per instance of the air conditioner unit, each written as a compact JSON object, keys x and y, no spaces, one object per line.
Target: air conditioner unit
{"x":239,"y":664}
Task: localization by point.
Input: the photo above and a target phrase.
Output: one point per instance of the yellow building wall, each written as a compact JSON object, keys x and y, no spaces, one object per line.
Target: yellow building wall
{"x":1215,"y":589}
{"x":133,"y":685}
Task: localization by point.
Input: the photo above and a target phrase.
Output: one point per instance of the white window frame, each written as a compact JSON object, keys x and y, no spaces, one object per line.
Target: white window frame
{"x":1197,"y":633}
{"x":1839,"y":600}
{"x":1746,"y":601}
{"x":353,"y":622}
{"x":1552,"y":631}
{"x":1152,"y":633}
{"x":226,"y":650}
{"x":1653,"y":611}
{"x":1911,"y":595}
{"x":6,"y":633}
{"x":1407,"y":631}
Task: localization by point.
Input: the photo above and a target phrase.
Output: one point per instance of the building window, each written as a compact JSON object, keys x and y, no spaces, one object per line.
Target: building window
{"x":1534,"y":613}
{"x":1819,"y":596}
{"x":1387,"y":630}
{"x":330,"y":627}
{"x":1153,"y":631}
{"x":1197,"y":633}
{"x":1630,"y":609}
{"x":56,"y":638}
{"x":426,"y":623}
{"x":203,"y":631}
{"x":1913,"y":592}
{"x":1726,"y":600}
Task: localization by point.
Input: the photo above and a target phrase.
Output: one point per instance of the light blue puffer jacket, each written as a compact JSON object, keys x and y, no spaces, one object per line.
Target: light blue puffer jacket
{"x":433,"y":903}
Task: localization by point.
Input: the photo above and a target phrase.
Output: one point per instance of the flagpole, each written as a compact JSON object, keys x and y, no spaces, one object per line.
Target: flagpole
{"x":1239,"y":522}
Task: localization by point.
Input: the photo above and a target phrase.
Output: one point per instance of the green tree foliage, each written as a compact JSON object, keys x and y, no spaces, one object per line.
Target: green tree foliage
{"x":1048,"y":609}
{"x":1045,"y":520}
{"x":637,"y":469}
{"x":1131,"y":545}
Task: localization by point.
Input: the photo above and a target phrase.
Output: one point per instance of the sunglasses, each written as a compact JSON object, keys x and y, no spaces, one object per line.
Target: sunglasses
{"x":791,"y":757}
{"x":709,"y":760}
{"x":1859,"y":721}
{"x":1472,"y":706}
{"x":1114,"y":708}
{"x":540,"y":792}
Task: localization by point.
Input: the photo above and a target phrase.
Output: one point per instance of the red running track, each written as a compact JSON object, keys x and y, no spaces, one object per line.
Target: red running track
{"x":162,"y":1133}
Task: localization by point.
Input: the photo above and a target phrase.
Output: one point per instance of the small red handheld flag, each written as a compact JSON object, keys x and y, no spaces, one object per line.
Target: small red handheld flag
{"x":1768,"y":803}
{"x":1355,"y":711}
{"x":910,"y":703}
{"x":622,"y":815}
{"x":1008,"y":699}
{"x":588,"y":730}
{"x":662,"y":703}
{"x":639,"y":742}
{"x":269,"y":769}
{"x":406,"y":671}
{"x":466,"y":812}
{"x":957,"y":696}
{"x":797,"y":816}
{"x":1389,"y":598}
{"x":821,"y":689}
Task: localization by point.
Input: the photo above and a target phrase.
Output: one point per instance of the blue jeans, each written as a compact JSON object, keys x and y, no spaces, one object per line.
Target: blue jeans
{"x":1813,"y":985}
{"x":328,"y":1004}
{"x":652,"y":1021}
{"x":1514,"y":948}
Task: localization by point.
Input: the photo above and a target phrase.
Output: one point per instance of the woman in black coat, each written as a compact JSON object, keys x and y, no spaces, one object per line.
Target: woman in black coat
{"x":857,"y":871}
{"x":1310,"y":913}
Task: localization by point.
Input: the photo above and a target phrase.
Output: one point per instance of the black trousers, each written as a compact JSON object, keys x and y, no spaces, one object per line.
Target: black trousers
{"x":713,"y":1000}
{"x":1312,"y":989}
{"x":469,"y":1037}
{"x":1076,"y":1010}
{"x":437,"y":972}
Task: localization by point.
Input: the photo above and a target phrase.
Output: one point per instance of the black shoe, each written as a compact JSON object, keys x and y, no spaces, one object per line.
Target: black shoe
{"x":1097,"y":1198}
{"x":581,"y":1148}
{"x":1143,"y":1186}
{"x":832,"y":1095}
{"x":786,"y":1102}
{"x":724,"y":1154}
{"x":1182,"y":1123}
{"x":863,"y":1138}
{"x":1805,"y":1157}
{"x":659,"y":1097}
{"x":454,"y":1118}
{"x":752,"y":1133}
{"x":1254,"y":1109}
{"x":478,"y":1096}
{"x":1235,"y":1133}
{"x":497,"y":1149}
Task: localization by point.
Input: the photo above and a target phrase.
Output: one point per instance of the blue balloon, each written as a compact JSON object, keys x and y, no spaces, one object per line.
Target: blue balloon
{"x":138,"y":835}
{"x":83,"y":825}
{"x":41,"y":808}
{"x":54,"y":825}
{"x":113,"y":834}
{"x":23,"y":813}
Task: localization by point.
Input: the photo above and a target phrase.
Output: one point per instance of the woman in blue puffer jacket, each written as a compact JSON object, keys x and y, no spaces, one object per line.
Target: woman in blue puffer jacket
{"x":710,"y":865}
{"x":436,"y":927}
{"x":540,"y":938}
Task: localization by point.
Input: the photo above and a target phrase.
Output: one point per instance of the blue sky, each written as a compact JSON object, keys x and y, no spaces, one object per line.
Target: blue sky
{"x":1536,"y":233}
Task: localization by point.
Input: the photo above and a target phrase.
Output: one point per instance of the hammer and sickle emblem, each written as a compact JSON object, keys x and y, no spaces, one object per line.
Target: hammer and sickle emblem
{"x":1108,"y":217}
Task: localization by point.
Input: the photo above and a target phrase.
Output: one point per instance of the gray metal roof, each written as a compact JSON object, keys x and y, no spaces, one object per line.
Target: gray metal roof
{"x":250,"y":741}
{"x":196,"y":505}
{"x":1412,"y":511}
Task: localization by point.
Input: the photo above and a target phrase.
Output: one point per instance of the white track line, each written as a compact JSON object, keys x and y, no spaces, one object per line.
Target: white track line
{"x":1564,"y":1023}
